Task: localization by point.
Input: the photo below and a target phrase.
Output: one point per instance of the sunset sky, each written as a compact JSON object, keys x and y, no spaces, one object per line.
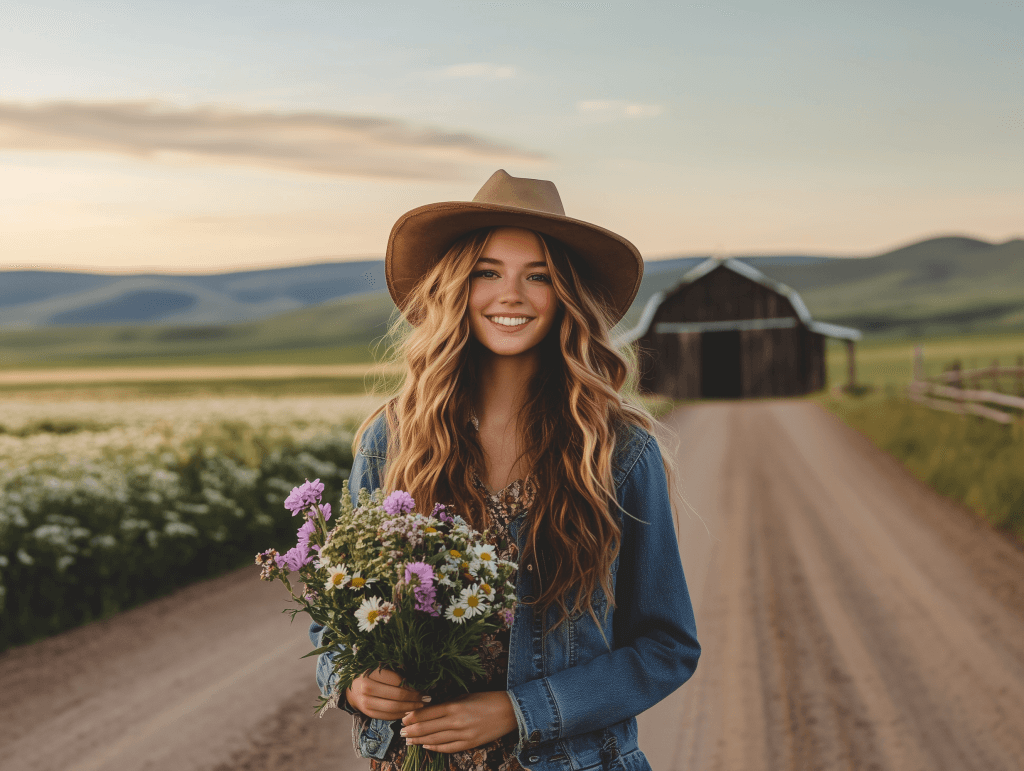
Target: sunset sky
{"x":208,"y":136}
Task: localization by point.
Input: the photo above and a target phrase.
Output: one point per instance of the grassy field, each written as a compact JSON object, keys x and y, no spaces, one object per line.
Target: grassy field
{"x":888,"y":365}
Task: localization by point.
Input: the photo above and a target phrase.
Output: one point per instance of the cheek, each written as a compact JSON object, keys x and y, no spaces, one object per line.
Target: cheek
{"x":545,"y":302}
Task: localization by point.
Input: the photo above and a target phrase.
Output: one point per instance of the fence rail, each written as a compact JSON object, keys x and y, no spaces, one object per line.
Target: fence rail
{"x":948,"y":390}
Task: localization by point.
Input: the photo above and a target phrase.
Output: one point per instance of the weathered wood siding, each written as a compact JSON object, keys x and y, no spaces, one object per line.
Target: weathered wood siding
{"x":772,"y":362}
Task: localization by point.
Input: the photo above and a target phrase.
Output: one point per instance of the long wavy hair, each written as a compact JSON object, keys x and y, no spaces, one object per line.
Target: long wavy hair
{"x":574,"y":407}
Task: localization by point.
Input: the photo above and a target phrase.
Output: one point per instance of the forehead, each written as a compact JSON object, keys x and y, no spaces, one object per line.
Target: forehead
{"x":514,"y":245}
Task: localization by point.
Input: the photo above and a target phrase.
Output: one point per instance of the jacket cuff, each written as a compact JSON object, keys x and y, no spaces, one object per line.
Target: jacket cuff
{"x":542,"y":723}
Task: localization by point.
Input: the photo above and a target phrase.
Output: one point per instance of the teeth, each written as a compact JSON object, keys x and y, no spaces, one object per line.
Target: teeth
{"x":509,"y":321}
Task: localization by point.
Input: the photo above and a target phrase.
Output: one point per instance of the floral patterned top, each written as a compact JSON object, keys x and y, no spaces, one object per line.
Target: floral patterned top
{"x":502,"y":508}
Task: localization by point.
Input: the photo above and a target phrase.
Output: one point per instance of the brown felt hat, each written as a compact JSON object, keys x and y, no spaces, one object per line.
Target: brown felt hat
{"x":422,"y":236}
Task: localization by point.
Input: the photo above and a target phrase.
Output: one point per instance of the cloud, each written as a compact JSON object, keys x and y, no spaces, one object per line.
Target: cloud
{"x":618,"y":107}
{"x":479,"y":70}
{"x":310,"y":142}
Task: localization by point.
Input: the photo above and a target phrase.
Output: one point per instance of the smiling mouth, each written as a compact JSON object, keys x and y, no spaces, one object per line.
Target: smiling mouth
{"x":510,"y":322}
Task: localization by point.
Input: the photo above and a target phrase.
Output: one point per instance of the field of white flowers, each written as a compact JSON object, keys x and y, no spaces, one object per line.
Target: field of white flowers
{"x":104,"y":504}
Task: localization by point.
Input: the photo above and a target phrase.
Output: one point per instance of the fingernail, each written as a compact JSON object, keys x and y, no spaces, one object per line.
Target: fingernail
{"x":402,"y":732}
{"x":426,"y":698}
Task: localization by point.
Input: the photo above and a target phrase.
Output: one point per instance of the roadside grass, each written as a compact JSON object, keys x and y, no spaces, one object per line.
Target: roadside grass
{"x":977,"y":462}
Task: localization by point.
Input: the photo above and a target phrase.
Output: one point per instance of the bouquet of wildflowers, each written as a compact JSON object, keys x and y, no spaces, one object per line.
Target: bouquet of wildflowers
{"x":396,"y":589}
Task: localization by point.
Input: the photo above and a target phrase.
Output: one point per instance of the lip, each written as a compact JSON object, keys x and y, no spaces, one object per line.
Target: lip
{"x":505,"y":328}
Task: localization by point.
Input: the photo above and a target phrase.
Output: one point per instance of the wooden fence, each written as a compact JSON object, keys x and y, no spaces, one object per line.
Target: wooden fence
{"x":960,"y":390}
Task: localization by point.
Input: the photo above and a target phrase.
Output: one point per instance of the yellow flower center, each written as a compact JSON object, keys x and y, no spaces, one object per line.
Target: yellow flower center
{"x":459,"y":612}
{"x":455,"y":553}
{"x":430,"y":530}
{"x":338,"y":579}
{"x":472,"y":601}
{"x":485,"y":588}
{"x":358,"y":582}
{"x":371,"y":617}
{"x":485,"y":556}
{"x":464,"y":565}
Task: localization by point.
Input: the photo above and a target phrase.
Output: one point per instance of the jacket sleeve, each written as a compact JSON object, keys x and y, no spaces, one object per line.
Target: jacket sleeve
{"x":654,"y":646}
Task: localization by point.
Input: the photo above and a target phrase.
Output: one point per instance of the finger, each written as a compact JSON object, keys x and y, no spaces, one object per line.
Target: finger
{"x":382,"y":691}
{"x":425,"y":714}
{"x":395,"y":709}
{"x":449,"y":747}
{"x":385,"y":676}
{"x":439,"y":739}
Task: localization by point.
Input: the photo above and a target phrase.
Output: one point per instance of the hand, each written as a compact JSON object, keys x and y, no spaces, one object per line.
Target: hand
{"x":461,"y":724}
{"x":380,"y":694}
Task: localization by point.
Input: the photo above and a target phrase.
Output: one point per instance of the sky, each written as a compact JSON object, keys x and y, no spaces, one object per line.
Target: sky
{"x":210,"y":136}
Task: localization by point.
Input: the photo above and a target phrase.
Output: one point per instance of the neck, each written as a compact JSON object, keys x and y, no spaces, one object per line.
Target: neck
{"x":503,"y":383}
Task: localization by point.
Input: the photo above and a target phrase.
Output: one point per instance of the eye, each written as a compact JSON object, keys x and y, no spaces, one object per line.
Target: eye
{"x":484,"y":273}
{"x":544,"y":277}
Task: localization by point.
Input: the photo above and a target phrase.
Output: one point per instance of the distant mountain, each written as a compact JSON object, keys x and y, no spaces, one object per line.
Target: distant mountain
{"x":32,"y":299}
{"x":940,"y":285}
{"x":948,"y":284}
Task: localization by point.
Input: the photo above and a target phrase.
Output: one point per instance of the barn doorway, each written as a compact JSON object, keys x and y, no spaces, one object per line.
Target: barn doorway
{"x":720,"y":365}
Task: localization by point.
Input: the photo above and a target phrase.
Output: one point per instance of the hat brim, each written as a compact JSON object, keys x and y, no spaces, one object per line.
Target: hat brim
{"x":420,"y":237}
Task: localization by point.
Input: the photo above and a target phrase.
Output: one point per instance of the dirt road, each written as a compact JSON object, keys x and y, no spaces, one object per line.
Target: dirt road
{"x":850,"y":619}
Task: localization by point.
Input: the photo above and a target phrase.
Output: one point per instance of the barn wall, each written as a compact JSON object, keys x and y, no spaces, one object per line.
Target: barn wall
{"x":813,"y":361}
{"x":723,"y":295}
{"x":670,"y":365}
{"x":771,"y":362}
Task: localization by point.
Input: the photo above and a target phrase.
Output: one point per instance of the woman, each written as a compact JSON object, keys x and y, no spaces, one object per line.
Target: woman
{"x":511,"y":412}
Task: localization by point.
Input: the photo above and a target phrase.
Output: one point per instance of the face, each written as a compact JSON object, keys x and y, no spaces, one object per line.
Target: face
{"x":512,"y":304}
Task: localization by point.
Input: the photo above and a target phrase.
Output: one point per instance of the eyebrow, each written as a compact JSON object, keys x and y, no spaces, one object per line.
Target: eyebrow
{"x":492,"y":261}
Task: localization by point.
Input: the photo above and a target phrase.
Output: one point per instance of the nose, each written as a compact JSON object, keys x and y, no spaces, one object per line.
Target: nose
{"x":511,"y":292}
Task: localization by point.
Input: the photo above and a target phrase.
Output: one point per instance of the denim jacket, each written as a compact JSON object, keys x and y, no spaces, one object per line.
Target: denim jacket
{"x":576,"y":696}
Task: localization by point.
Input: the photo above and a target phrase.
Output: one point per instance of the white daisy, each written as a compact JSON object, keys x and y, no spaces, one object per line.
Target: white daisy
{"x":372,"y":612}
{"x":486,"y":590}
{"x":485,"y":560}
{"x":444,"y":580}
{"x":357,"y":581}
{"x":457,"y":612}
{"x":473,"y":601}
{"x":337,"y":577}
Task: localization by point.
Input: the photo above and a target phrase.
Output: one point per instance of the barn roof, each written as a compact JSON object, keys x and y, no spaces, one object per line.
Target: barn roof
{"x":747,"y":271}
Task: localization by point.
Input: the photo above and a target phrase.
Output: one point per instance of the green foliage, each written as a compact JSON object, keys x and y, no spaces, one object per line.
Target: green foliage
{"x":975,"y":461}
{"x":83,"y":538}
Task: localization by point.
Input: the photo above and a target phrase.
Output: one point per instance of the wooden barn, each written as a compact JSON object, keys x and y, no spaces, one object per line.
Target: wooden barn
{"x":726,"y":330}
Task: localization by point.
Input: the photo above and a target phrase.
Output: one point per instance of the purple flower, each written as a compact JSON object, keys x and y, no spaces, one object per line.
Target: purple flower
{"x":506,"y":615}
{"x":304,"y":496}
{"x":441,"y":513}
{"x":423,"y":588}
{"x":306,"y":531}
{"x":325,"y":509}
{"x":295,"y":558}
{"x":399,"y":502}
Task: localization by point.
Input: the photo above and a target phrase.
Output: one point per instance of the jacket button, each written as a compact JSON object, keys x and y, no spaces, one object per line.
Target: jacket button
{"x":535,"y":758}
{"x":535,"y":737}
{"x":530,"y":567}
{"x":372,"y":746}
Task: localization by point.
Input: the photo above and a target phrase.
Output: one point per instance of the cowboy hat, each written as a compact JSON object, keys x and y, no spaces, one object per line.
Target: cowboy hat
{"x":421,"y":237}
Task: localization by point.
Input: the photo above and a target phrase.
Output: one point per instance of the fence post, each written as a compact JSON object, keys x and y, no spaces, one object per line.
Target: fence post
{"x":957,"y":382}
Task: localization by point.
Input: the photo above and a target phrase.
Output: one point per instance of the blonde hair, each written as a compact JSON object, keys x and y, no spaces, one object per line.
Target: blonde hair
{"x":573,"y":409}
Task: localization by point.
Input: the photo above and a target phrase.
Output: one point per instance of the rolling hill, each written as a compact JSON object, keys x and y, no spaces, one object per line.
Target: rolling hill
{"x":333,"y":312}
{"x":32,"y":299}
